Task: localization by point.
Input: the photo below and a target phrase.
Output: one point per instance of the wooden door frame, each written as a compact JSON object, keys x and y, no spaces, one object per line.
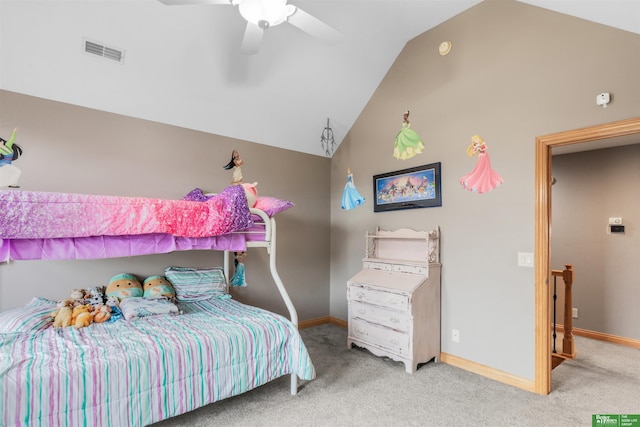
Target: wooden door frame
{"x":544,"y":144}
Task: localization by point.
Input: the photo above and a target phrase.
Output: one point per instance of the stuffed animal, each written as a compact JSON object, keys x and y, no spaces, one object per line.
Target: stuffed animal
{"x":63,"y":313}
{"x":251,"y":192}
{"x":112,"y":302}
{"x":77,"y":295}
{"x":81,"y":316}
{"x":158,"y":286}
{"x":101,"y":313}
{"x":124,"y":286}
{"x":94,"y":296}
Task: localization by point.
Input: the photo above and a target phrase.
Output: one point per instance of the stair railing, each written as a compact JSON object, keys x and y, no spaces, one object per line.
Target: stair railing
{"x":568,"y":344}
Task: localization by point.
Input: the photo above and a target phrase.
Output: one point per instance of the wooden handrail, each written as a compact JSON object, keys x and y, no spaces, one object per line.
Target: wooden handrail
{"x":568,"y":348}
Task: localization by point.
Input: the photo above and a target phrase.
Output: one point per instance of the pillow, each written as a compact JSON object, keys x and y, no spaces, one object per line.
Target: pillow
{"x":196,"y":195}
{"x":137,"y":307}
{"x":272,"y":205}
{"x":34,"y":316}
{"x":196,"y":284}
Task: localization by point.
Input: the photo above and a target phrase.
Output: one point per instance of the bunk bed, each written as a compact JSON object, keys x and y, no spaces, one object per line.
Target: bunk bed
{"x":142,"y":371}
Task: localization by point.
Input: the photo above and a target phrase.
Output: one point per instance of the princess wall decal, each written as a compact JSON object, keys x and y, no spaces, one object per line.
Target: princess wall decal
{"x":9,"y":152}
{"x":351,"y":198}
{"x":482,"y":178}
{"x":407,"y":143}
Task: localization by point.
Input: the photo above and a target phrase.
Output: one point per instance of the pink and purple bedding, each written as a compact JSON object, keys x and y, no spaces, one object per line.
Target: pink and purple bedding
{"x":99,"y":247}
{"x":39,"y":225}
{"x":137,"y":373}
{"x":42,"y":215}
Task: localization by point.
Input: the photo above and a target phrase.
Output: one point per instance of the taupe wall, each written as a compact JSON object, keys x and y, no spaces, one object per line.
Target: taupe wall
{"x":515,"y":72}
{"x":590,"y":188}
{"x":74,"y":149}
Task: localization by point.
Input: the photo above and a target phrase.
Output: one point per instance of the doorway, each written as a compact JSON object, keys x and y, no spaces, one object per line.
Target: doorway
{"x":544,"y":145}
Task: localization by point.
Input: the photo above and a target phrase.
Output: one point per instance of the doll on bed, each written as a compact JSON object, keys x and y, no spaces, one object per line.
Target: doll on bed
{"x":249,"y":189}
{"x":235,"y":163}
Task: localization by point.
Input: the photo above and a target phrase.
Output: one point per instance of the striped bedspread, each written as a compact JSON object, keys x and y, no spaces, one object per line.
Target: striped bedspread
{"x":140,"y":372}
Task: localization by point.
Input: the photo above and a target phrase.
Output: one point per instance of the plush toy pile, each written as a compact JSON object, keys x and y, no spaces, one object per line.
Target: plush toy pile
{"x":82,"y":308}
{"x":101,"y":304}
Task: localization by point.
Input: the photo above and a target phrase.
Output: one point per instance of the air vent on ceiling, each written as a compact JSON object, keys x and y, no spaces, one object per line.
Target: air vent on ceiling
{"x":103,"y":51}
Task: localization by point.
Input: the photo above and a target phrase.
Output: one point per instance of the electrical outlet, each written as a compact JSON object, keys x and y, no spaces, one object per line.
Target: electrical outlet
{"x":575,"y":313}
{"x":455,"y":335}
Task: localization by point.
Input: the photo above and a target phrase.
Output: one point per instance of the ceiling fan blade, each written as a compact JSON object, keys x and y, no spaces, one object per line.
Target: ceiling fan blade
{"x":252,"y":39}
{"x":188,"y":2}
{"x":314,"y":27}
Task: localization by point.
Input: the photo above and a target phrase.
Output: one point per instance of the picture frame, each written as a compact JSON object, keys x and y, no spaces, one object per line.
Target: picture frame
{"x":417,"y":187}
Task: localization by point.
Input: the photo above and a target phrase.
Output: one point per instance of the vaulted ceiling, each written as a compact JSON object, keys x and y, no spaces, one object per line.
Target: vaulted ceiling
{"x":182,"y":65}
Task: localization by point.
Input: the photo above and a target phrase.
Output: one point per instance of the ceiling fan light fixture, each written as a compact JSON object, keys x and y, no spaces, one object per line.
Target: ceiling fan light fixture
{"x":265,"y":13}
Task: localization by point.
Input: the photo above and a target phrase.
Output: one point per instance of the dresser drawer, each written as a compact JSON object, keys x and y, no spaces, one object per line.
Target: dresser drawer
{"x":400,"y":321}
{"x":411,"y":269}
{"x":381,"y":298}
{"x":377,"y":265}
{"x":394,"y":341}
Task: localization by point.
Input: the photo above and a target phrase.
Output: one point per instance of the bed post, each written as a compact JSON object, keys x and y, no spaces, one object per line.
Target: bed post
{"x":283,"y":292}
{"x":276,"y":277}
{"x":225,"y":266}
{"x":270,"y":243}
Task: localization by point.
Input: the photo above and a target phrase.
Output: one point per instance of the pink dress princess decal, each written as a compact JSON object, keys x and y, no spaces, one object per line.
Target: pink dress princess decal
{"x":482,"y":178}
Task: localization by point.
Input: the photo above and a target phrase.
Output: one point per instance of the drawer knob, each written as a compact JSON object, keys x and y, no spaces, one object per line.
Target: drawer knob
{"x":394,"y":320}
{"x":362,"y":311}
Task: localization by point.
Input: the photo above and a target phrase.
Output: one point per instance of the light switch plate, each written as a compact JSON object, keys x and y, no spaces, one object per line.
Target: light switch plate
{"x":525,"y":259}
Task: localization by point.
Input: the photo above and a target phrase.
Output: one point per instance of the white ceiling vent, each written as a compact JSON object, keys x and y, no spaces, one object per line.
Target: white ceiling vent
{"x":107,"y":52}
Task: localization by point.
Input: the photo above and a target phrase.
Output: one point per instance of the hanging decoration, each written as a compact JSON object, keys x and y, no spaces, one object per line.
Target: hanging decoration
{"x":482,"y":178}
{"x":407,"y":143}
{"x":351,"y":198}
{"x":9,"y":151}
{"x":327,"y":142}
{"x":238,"y":278}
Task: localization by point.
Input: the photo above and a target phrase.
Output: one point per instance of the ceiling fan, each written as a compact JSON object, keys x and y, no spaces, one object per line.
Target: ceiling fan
{"x":263,"y":14}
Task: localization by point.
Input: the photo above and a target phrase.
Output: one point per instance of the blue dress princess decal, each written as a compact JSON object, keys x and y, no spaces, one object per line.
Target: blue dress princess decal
{"x":351,"y":198}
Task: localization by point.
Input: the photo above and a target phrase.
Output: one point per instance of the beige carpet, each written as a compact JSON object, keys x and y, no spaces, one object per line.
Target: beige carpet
{"x":355,"y":388}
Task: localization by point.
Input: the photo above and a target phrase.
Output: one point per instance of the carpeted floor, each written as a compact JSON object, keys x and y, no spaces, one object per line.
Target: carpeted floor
{"x":355,"y":388}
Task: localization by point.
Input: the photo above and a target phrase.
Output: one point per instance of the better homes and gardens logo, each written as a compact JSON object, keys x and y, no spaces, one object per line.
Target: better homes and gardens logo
{"x":611,"y":420}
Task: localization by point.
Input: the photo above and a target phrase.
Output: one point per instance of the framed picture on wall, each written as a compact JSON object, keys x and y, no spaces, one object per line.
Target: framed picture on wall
{"x":417,"y":187}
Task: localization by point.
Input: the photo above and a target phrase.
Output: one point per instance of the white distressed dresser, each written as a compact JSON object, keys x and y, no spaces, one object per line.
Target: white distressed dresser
{"x":394,"y":301}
